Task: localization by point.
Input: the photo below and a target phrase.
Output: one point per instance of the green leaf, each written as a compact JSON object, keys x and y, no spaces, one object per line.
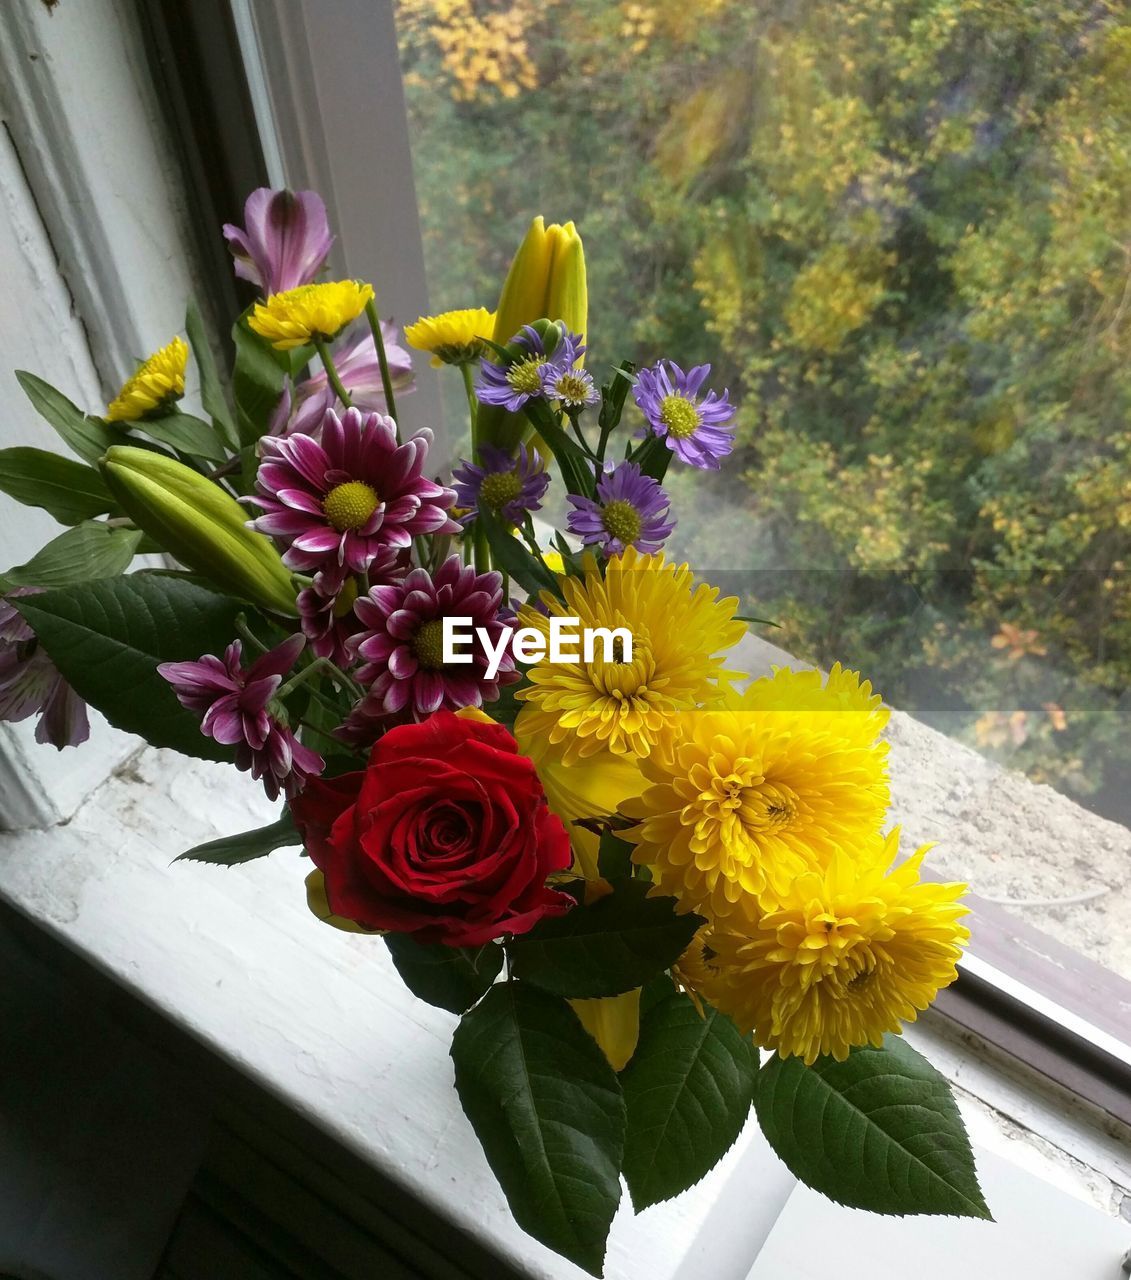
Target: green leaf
{"x":653,"y":456}
{"x":66,"y":489}
{"x":211,"y":388}
{"x":688,"y":1091}
{"x":614,"y":856}
{"x":879,"y":1131}
{"x":512,"y":557}
{"x":231,"y":851}
{"x":257,"y":381}
{"x":548,"y":1110}
{"x":186,"y":434}
{"x":576,"y":467}
{"x":108,"y":637}
{"x":88,"y":437}
{"x":90,"y":550}
{"x":613,"y":395}
{"x":451,"y":978}
{"x":619,"y":942}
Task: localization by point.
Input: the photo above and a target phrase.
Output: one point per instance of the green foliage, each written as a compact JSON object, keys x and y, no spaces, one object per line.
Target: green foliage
{"x":88,"y":551}
{"x":879,"y":1131}
{"x":186,"y":434}
{"x":257,"y":381}
{"x":548,"y":1111}
{"x":609,"y":946}
{"x":211,"y":388}
{"x":66,"y":489}
{"x":231,"y":851}
{"x":451,"y":978}
{"x":688,"y":1091}
{"x":88,"y":437}
{"x":107,"y":638}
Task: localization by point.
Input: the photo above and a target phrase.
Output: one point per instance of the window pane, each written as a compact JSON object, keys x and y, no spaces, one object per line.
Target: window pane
{"x":899,"y":232}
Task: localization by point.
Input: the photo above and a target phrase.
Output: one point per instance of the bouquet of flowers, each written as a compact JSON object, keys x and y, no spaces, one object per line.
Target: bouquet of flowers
{"x":657,"y":894}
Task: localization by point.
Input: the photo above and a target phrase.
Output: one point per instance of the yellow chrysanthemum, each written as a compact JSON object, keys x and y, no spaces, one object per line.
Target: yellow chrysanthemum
{"x":454,"y":337}
{"x":157,"y":383}
{"x":744,"y":797}
{"x":846,"y":956}
{"x":312,"y":312}
{"x":678,"y":630}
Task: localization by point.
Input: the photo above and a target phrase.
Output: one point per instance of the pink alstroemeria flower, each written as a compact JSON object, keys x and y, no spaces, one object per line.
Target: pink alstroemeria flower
{"x":284,"y":241}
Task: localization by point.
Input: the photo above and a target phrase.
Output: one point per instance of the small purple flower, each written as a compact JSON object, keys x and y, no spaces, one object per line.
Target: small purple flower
{"x":513,"y":385}
{"x":286,"y":240}
{"x":325,"y":608}
{"x":337,"y":501}
{"x":235,"y":711}
{"x":31,"y":683}
{"x":360,"y":371}
{"x":402,"y":646}
{"x":631,"y":510}
{"x":693,"y":426}
{"x":505,"y":484}
{"x":569,"y":387}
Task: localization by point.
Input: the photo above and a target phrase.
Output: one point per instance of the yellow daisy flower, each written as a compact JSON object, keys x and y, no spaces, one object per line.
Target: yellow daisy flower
{"x":157,"y":383}
{"x":679,"y":632}
{"x":744,"y":797}
{"x":454,"y":337}
{"x":312,"y":312}
{"x":847,"y":955}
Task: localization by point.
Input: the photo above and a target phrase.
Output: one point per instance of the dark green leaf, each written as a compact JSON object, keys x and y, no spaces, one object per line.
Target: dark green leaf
{"x":688,"y":1091}
{"x":509,"y":555}
{"x":107,"y":638}
{"x":68,"y":490}
{"x":653,"y":456}
{"x":613,"y":395}
{"x":88,"y":437}
{"x":451,"y":978}
{"x":619,"y":942}
{"x":614,"y":856}
{"x":90,"y":550}
{"x":879,"y":1131}
{"x":230,"y":851}
{"x":576,"y":468}
{"x":547,"y":1108}
{"x":257,"y":381}
{"x":211,"y":388}
{"x":186,"y":434}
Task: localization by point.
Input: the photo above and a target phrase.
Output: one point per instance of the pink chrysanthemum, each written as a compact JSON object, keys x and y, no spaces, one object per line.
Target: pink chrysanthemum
{"x":325,"y":608}
{"x":402,"y":644}
{"x":339,"y":500}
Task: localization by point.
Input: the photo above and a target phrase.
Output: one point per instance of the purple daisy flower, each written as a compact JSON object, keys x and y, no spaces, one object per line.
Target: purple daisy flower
{"x":30,"y":683}
{"x":325,"y":608}
{"x":513,"y":385}
{"x":286,"y":241}
{"x":339,"y":500}
{"x":360,"y":371}
{"x":402,"y":646}
{"x":693,"y":426}
{"x":569,"y":387}
{"x":233,"y":704}
{"x":631,"y":510}
{"x":505,"y":484}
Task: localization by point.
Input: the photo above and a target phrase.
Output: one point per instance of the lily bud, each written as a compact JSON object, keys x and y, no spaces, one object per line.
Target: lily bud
{"x":546,"y":278}
{"x":196,"y":521}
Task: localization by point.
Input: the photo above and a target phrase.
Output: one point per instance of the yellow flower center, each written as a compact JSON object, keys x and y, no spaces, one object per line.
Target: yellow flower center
{"x":349,"y":506}
{"x":526,"y":377}
{"x":572,"y":388}
{"x":428,"y":645}
{"x":679,"y":415}
{"x":499,"y":488}
{"x":621,"y":520}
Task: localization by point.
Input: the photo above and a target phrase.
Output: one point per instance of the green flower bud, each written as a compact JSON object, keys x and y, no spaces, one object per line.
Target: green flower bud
{"x":199,"y":524}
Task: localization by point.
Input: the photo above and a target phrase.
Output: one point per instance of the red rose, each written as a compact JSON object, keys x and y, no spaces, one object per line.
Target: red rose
{"x":445,"y":835}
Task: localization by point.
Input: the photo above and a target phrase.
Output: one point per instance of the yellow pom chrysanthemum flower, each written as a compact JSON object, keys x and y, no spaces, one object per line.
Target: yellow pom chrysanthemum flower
{"x":454,"y":337}
{"x":846,"y":956}
{"x":310,"y":313}
{"x":679,"y":632}
{"x":744,"y":797}
{"x":157,"y":383}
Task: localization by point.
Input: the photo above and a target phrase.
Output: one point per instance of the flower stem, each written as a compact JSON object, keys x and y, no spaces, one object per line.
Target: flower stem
{"x":482,"y":549}
{"x":383,"y":360}
{"x":332,"y":373}
{"x":246,"y":634}
{"x":317,"y":668}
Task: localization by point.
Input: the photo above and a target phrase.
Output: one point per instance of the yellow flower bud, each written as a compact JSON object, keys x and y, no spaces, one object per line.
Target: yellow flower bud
{"x":196,"y":521}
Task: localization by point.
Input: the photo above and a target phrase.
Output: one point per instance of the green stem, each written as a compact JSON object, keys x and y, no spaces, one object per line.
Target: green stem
{"x":245,"y":633}
{"x":386,"y":378}
{"x":481,"y":547}
{"x":332,"y":373}
{"x":316,"y":668}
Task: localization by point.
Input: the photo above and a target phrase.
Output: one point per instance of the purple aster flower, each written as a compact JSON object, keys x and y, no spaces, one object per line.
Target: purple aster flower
{"x":235,"y":711}
{"x":631,"y":510}
{"x":513,"y":385}
{"x":402,"y":645}
{"x":358,"y":367}
{"x":505,"y":484}
{"x":568,"y":386}
{"x":286,"y":240}
{"x":338,"y":500}
{"x":325,"y":608}
{"x":30,"y":683}
{"x":693,"y":426}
